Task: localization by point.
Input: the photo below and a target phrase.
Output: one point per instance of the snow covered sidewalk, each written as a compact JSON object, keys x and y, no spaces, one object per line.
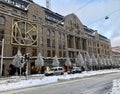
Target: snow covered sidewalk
{"x":35,"y":80}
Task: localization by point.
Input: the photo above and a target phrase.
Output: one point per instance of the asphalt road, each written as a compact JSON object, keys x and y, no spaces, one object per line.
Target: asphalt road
{"x":93,"y":85}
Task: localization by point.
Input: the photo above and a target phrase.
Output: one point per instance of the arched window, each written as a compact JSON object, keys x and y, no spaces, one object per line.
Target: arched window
{"x":2,"y":20}
{"x":59,"y":35}
{"x":53,"y":33}
{"x":63,"y":36}
{"x":48,"y":32}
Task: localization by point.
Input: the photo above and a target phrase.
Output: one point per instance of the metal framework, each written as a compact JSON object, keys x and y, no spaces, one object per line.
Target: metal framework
{"x":48,"y":4}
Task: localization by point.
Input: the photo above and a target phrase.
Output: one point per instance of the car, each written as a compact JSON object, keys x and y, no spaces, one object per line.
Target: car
{"x":55,"y":71}
{"x":76,"y":70}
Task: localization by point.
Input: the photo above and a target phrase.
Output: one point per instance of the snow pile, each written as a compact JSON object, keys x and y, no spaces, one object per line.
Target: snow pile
{"x":116,"y":87}
{"x":35,"y":80}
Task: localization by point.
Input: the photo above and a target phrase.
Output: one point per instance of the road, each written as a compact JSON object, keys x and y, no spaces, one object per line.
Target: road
{"x":93,"y":85}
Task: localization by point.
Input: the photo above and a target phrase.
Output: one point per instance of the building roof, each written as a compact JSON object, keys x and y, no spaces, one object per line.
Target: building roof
{"x":52,"y":16}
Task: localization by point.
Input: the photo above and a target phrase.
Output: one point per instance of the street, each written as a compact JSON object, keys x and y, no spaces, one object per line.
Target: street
{"x":99,"y":84}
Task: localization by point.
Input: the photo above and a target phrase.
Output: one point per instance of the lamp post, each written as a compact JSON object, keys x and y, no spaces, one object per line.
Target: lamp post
{"x":2,"y":57}
{"x":27,"y":65}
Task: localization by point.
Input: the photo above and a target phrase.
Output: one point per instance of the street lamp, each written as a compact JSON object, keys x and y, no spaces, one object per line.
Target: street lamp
{"x":2,"y":57}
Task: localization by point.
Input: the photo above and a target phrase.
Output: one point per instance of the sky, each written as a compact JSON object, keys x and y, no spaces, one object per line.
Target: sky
{"x":92,"y":13}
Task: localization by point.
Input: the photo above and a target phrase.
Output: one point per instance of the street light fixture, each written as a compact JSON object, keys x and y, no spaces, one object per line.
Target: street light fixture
{"x":2,"y":57}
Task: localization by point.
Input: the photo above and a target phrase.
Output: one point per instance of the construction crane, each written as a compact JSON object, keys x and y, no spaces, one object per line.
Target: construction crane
{"x":48,"y":4}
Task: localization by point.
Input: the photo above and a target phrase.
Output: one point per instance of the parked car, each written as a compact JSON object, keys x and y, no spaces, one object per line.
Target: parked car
{"x":76,"y":70}
{"x":55,"y":71}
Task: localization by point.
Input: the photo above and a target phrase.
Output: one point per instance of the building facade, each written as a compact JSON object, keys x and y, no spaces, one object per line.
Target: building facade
{"x":116,"y":52}
{"x":33,"y":29}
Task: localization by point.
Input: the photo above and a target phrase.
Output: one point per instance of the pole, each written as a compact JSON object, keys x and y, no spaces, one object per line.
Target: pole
{"x":2,"y":57}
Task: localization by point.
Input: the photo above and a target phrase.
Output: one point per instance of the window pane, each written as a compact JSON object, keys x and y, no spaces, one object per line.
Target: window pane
{"x":2,"y":20}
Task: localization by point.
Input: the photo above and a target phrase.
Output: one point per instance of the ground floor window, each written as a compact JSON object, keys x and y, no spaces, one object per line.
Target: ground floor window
{"x":14,"y":51}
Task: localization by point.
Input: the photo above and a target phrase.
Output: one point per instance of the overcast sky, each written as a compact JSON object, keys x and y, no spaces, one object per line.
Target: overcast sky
{"x":92,"y":13}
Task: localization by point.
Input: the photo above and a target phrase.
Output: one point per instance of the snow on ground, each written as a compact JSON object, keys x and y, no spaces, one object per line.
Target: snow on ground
{"x":17,"y":82}
{"x":116,"y":87}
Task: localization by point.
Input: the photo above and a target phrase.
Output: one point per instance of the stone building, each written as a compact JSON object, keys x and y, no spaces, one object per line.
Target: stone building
{"x":31,"y":28}
{"x":116,"y":52}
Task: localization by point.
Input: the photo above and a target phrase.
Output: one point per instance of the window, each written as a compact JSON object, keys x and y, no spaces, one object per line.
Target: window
{"x":22,"y":26}
{"x":2,"y":20}
{"x":53,"y":33}
{"x":53,"y":43}
{"x":53,"y":53}
{"x":34,"y":18}
{"x":48,"y":43}
{"x":64,"y":54}
{"x":1,"y":35}
{"x":63,"y":45}
{"x":34,"y":37}
{"x":48,"y":53}
{"x":41,"y":40}
{"x":48,"y":32}
{"x":59,"y":44}
{"x":59,"y":35}
{"x":14,"y":51}
{"x":23,"y":50}
{"x":63,"y":36}
{"x":34,"y":52}
{"x":41,"y":30}
{"x":40,"y":20}
{"x":60,"y":54}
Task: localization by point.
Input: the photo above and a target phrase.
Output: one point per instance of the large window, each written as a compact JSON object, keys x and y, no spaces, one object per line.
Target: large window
{"x":23,"y":50}
{"x":34,"y":52}
{"x":53,"y":33}
{"x":59,"y":44}
{"x":59,"y":35}
{"x":34,"y":37}
{"x":53,"y":43}
{"x":2,"y":20}
{"x":48,"y":43}
{"x":63,"y":36}
{"x":48,"y":32}
{"x":48,"y":53}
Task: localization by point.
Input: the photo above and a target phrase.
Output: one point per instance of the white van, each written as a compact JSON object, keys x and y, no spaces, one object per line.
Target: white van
{"x":55,"y":71}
